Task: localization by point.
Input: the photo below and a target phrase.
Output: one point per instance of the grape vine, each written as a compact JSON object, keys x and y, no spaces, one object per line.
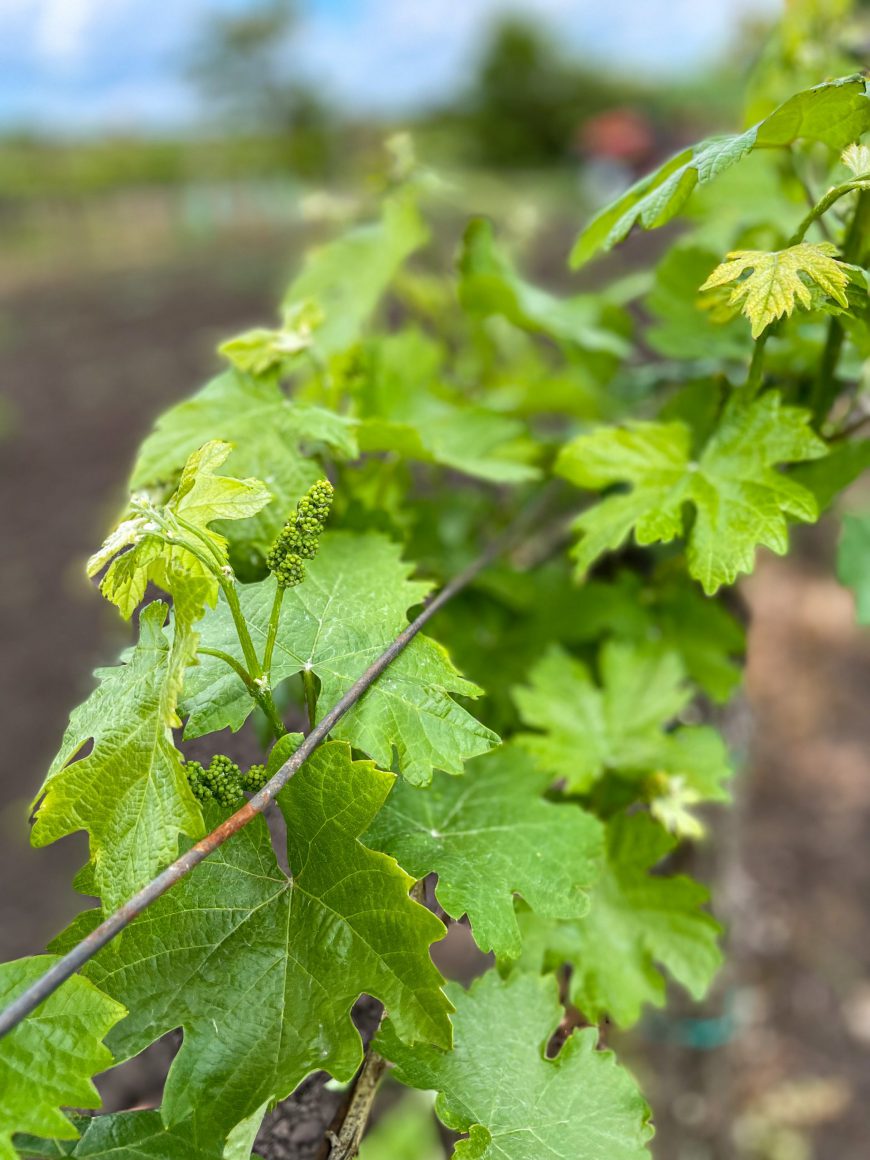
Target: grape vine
{"x":625,"y":454}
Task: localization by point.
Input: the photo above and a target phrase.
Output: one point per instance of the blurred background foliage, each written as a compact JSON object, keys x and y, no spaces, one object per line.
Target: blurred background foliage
{"x":259,"y":134}
{"x":265,"y":132}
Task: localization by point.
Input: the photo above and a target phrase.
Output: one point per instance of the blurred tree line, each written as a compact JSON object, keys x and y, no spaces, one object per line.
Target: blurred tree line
{"x":522,"y":108}
{"x":527,"y":104}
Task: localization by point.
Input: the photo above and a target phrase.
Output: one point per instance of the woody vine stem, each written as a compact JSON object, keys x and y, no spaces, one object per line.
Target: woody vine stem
{"x":30,"y":999}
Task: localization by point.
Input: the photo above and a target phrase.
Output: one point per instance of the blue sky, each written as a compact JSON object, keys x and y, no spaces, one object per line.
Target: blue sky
{"x":118,"y":64}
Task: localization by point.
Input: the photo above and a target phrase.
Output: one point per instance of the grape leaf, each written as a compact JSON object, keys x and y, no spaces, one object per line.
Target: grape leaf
{"x":140,"y":1136}
{"x":668,"y":608}
{"x":401,"y":411}
{"x":203,"y":496}
{"x":165,"y":545}
{"x":164,"y":542}
{"x":352,"y":605}
{"x":836,"y":113}
{"x":740,"y":500}
{"x":469,"y":440}
{"x":853,"y":562}
{"x":260,"y":969}
{"x":48,"y":1059}
{"x":267,"y":431}
{"x":347,"y":277}
{"x":683,"y":328}
{"x":261,"y":351}
{"x":636,"y":920}
{"x":623,"y":728}
{"x":488,"y":835}
{"x":489,"y":285}
{"x":129,"y":792}
{"x":587,"y":730}
{"x":773,"y":280}
{"x":498,"y":1084}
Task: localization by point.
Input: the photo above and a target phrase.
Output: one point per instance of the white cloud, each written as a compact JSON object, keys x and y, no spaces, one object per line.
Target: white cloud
{"x":57,"y":30}
{"x":377,"y":54}
{"x":63,"y":26}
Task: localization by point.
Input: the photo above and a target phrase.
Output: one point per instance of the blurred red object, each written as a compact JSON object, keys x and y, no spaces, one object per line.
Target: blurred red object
{"x":622,"y":134}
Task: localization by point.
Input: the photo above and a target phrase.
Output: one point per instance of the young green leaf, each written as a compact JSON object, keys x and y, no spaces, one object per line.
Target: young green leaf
{"x":694,"y":761}
{"x":165,"y":543}
{"x":352,"y":605}
{"x":836,"y":113}
{"x":587,"y":730}
{"x":141,"y":1136}
{"x":489,"y":835}
{"x":775,"y":281}
{"x":48,"y":1060}
{"x":740,"y":500}
{"x":261,"y":970}
{"x":857,"y":159}
{"x":489,"y":285}
{"x":668,"y":608}
{"x":347,"y":277}
{"x":498,"y":1084}
{"x":268,"y":432}
{"x":174,"y":547}
{"x":637,"y":920}
{"x":404,"y":409}
{"x":129,"y":792}
{"x":261,"y":351}
{"x":203,"y":496}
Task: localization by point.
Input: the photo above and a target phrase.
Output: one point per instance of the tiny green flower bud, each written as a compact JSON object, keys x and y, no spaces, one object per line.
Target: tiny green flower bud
{"x":255,"y":778}
{"x":298,"y":539}
{"x":195,"y":777}
{"x":223,"y":778}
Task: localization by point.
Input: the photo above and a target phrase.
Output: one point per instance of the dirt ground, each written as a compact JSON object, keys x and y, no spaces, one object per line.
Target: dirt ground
{"x":777,"y":1065}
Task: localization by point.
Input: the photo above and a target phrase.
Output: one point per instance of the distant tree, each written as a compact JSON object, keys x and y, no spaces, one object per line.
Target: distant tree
{"x":243,"y":65}
{"x":528,"y":98}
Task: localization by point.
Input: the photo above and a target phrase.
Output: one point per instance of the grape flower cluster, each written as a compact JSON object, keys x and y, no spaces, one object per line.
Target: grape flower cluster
{"x":223,"y":780}
{"x":298,"y":539}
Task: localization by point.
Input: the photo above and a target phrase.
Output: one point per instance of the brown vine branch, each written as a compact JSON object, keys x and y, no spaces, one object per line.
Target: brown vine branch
{"x":346,"y":1142}
{"x":66,"y":966}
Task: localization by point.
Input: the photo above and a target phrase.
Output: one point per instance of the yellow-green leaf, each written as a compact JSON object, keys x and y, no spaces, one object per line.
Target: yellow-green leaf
{"x":775,"y":280}
{"x":174,"y":547}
